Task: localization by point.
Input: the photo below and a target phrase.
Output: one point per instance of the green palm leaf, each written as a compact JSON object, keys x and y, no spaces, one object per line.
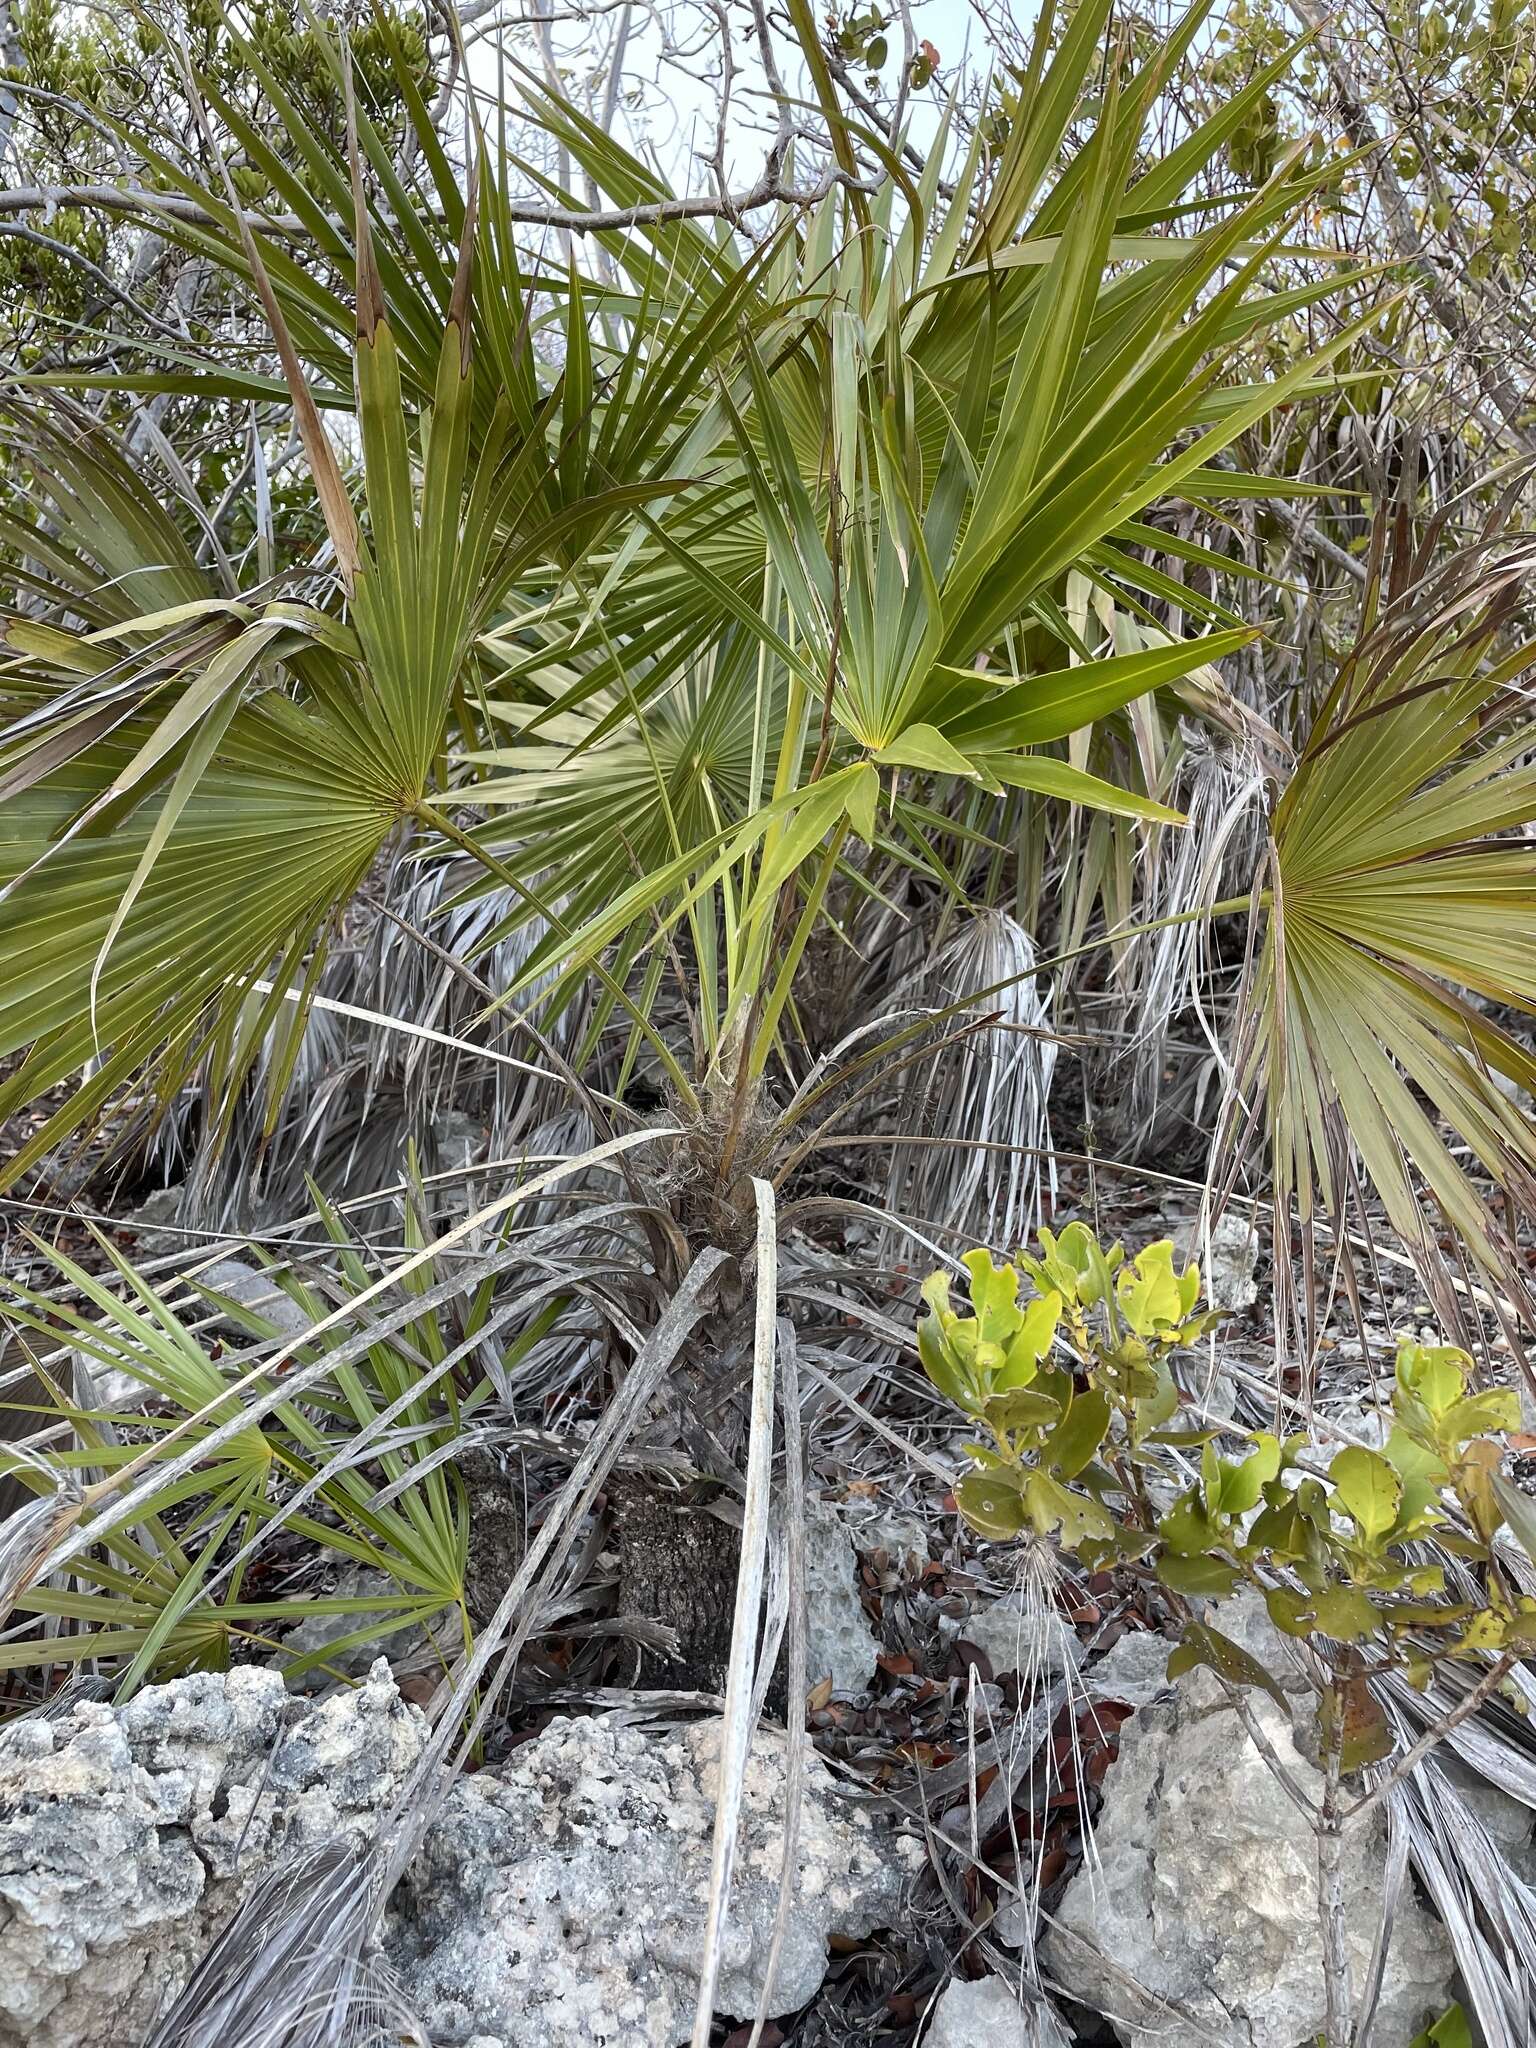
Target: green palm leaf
{"x":1398,"y":899}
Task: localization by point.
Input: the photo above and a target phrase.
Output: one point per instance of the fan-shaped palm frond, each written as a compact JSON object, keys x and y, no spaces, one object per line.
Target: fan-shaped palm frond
{"x":199,"y":807}
{"x":1399,"y":901}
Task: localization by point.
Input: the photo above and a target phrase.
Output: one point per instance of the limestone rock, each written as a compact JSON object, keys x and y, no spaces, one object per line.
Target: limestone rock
{"x":559,"y":1898}
{"x":455,"y":1141}
{"x":1206,"y":1891}
{"x":1132,"y":1670}
{"x":987,"y":2015}
{"x":106,"y":1388}
{"x":160,"y":1207}
{"x":840,"y":1643}
{"x":1017,"y":1635}
{"x":1228,"y":1260}
{"x":128,"y":1836}
{"x":404,"y":1640}
{"x":255,"y":1289}
{"x":904,"y":1538}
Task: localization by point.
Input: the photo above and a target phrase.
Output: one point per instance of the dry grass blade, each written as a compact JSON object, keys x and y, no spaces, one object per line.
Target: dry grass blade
{"x":314,"y":1989}
{"x":798,"y":1679}
{"x":33,"y":1531}
{"x":736,"y":1734}
{"x":406,"y":1028}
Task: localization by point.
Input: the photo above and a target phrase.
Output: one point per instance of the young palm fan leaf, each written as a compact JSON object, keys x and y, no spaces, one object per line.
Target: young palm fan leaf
{"x":1399,"y":902}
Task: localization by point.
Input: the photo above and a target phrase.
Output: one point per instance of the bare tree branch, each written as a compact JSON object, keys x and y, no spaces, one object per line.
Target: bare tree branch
{"x":137,"y":200}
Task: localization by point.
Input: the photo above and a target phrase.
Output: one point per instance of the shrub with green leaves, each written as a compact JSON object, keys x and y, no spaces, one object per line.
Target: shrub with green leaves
{"x":1119,"y":1319}
{"x":1072,"y":1387}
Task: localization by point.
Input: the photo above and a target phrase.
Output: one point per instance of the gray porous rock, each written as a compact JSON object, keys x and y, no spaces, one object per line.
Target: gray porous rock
{"x":128,"y":1836}
{"x":1228,"y":1259}
{"x":986,"y":2014}
{"x":906,"y":1539}
{"x":406,"y":1640}
{"x":559,"y":1898}
{"x":1205,"y":1890}
{"x":254,"y":1288}
{"x":840,"y":1642}
{"x":456,"y":1140}
{"x":157,"y":1227}
{"x":1133,"y":1670}
{"x":1017,"y":1634}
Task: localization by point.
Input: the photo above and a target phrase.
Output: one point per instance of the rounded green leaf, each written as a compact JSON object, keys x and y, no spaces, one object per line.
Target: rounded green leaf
{"x":1209,"y":1577}
{"x":1367,"y":1489}
{"x":1436,"y":1373}
{"x":1479,"y":1414}
{"x":1291,"y":1612}
{"x":1243,"y":1480}
{"x":1031,"y":1341}
{"x":1021,"y":1408}
{"x":1345,"y":1613}
{"x":993,"y":1508}
{"x":940,"y":1363}
{"x":1076,"y":1438}
{"x":1054,"y":1506}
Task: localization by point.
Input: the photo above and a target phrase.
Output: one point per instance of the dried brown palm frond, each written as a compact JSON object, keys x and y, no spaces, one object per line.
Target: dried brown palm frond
{"x":393,"y":1050}
{"x":1489,"y":1912}
{"x":316,"y":1987}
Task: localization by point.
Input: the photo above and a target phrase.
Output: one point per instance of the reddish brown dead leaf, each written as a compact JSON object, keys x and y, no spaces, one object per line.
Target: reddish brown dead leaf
{"x":1098,"y":1762}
